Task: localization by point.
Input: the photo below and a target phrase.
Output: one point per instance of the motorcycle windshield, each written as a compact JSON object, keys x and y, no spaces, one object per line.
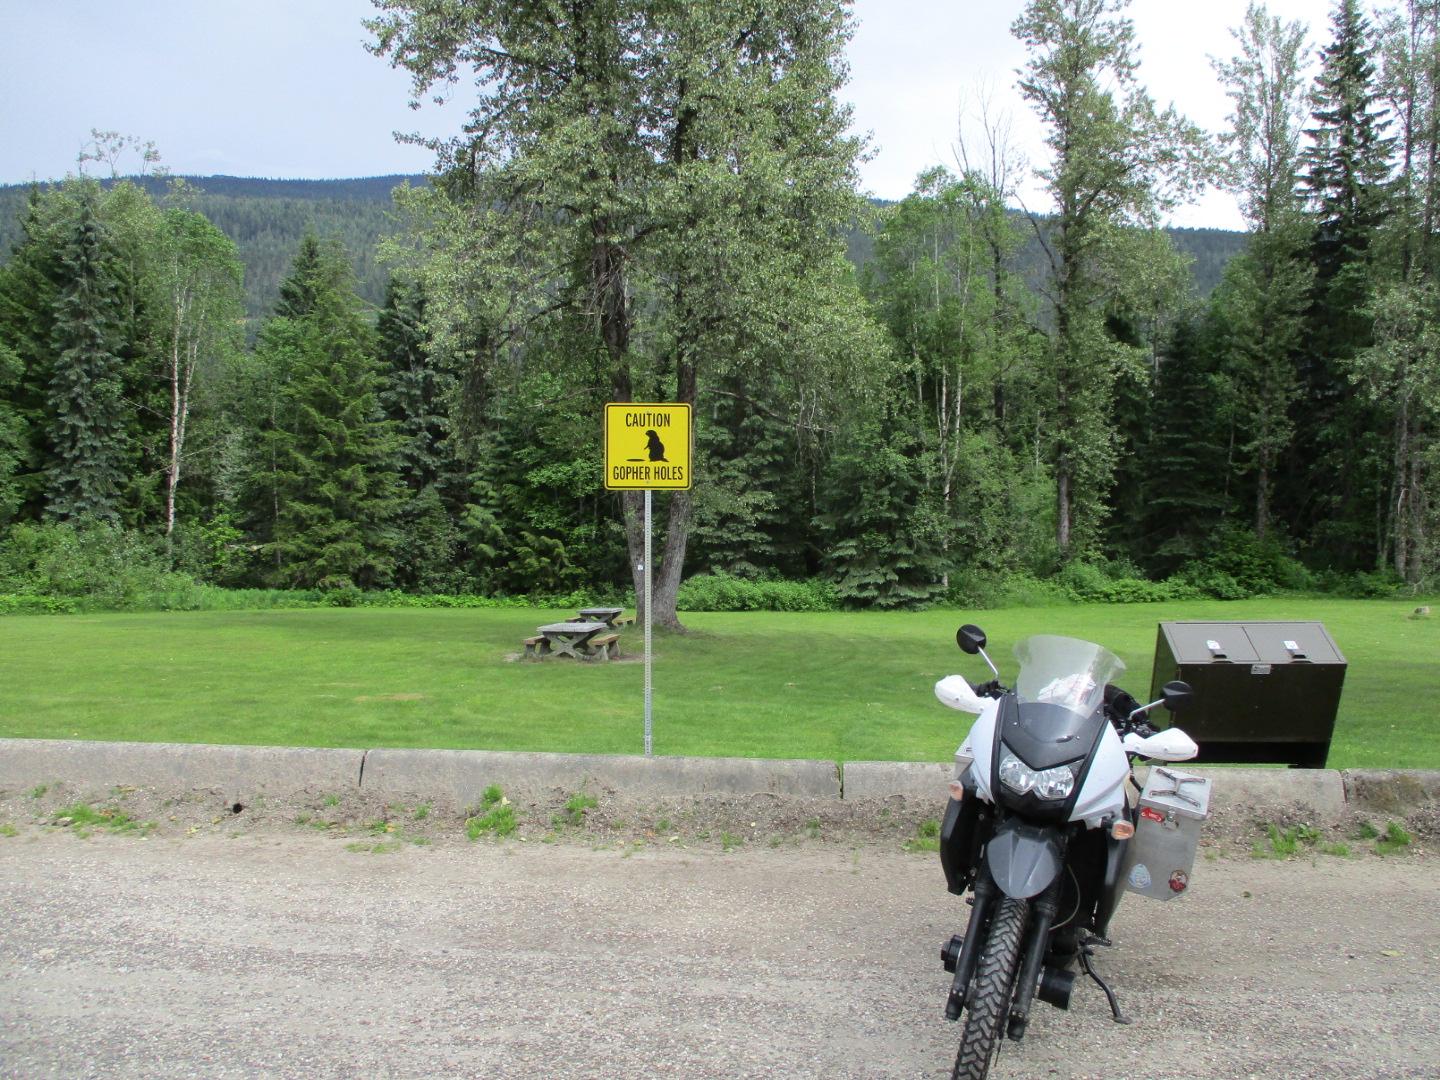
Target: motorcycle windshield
{"x":1064,"y":671}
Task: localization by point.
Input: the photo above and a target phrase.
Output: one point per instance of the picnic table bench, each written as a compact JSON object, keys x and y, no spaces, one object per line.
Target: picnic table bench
{"x":610,"y":616}
{"x":571,"y":638}
{"x":580,"y":635}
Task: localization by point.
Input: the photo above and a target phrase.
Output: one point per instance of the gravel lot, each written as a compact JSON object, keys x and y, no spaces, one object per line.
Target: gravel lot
{"x":287,"y":954}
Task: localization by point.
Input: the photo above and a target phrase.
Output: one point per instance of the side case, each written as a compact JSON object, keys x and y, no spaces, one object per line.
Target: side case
{"x":1161,"y":856}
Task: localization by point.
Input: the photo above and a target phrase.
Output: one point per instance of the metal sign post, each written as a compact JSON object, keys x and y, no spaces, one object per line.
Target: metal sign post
{"x":648,"y":446}
{"x":649,"y":595}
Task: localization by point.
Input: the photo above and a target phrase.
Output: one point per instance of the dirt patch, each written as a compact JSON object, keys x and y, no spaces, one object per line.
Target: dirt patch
{"x":600,"y":816}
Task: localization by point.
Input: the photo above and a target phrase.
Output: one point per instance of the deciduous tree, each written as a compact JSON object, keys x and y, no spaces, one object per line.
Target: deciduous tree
{"x":1116,"y":162}
{"x":669,"y":180}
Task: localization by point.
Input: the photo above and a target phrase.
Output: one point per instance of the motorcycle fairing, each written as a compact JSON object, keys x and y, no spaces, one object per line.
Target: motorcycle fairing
{"x":1024,"y":859}
{"x":1045,"y":735}
{"x":1102,"y":782}
{"x":1114,"y":886}
{"x":962,"y":838}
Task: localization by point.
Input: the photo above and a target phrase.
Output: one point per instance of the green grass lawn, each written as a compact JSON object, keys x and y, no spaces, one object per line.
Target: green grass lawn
{"x":838,"y":686}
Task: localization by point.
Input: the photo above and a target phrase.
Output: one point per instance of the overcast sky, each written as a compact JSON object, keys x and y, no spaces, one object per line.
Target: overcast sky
{"x":284,"y":88}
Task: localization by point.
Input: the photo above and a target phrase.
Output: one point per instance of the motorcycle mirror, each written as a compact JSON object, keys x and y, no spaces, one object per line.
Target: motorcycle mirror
{"x":970,"y":638}
{"x":1177,"y":695}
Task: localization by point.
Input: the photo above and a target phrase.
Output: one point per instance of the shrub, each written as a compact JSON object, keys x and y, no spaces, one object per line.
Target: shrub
{"x":1377,"y":585}
{"x":97,"y":564}
{"x":1238,"y":566}
{"x":1086,"y":583}
{"x":720,"y":591}
{"x":989,"y":589}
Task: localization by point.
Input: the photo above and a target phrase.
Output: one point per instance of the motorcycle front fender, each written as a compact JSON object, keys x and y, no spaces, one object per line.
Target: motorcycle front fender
{"x":1024,"y":859}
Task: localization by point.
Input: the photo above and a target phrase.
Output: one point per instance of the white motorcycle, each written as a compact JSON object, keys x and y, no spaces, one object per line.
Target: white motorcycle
{"x":1039,"y":828}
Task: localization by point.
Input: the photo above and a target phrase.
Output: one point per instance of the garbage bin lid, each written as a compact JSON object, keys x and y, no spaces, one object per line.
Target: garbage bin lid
{"x":1251,"y":643}
{"x":1293,"y":642}
{"x":1210,"y":642}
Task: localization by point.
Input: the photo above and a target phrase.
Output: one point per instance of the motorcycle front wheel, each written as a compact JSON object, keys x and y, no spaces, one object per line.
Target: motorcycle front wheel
{"x":987,"y":1005}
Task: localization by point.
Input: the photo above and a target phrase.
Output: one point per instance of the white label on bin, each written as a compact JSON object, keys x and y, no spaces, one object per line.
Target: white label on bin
{"x":1259,"y":669}
{"x":1140,"y":876}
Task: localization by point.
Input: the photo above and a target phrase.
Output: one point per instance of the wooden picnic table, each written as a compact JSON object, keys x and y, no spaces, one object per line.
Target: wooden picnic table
{"x":571,"y":638}
{"x":607,"y":615}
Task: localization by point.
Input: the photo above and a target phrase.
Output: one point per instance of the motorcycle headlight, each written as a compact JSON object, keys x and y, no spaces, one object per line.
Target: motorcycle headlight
{"x":1056,"y":783}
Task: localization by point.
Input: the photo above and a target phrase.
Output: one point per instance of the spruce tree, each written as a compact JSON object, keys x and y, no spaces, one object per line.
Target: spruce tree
{"x":1336,"y":474}
{"x":418,"y":394}
{"x":330,"y":477}
{"x":86,"y":431}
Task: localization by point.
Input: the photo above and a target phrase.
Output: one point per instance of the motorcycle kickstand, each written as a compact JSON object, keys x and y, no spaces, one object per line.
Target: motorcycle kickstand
{"x":1086,"y":952}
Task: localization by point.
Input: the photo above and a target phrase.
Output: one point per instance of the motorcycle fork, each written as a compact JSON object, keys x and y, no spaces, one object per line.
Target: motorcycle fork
{"x":986,"y":892}
{"x":1046,"y":906}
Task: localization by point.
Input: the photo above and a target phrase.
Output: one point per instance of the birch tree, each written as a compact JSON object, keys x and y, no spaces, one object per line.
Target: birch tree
{"x":198,"y":307}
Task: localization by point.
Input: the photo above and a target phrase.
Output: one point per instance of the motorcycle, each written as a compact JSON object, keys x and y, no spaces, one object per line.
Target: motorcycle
{"x":1037,"y":829}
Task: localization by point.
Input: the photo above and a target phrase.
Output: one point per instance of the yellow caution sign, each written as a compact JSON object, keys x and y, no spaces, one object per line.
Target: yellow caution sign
{"x":647,"y":445}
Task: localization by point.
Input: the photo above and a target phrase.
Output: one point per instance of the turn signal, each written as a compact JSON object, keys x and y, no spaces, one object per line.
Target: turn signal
{"x":1122,"y":830}
{"x":957,"y":791}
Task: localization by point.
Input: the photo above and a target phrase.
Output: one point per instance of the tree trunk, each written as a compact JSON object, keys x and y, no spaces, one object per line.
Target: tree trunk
{"x":1404,"y":511}
{"x":1062,"y":509}
{"x":177,"y":431}
{"x":1262,"y":494}
{"x":672,"y":562}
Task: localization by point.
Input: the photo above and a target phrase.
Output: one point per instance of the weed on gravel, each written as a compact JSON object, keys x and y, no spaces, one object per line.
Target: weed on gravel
{"x":83,"y":819}
{"x":926,"y":838}
{"x":499,"y":817}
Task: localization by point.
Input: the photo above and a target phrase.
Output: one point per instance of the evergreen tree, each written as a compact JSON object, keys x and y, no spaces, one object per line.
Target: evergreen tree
{"x":1347,"y":178}
{"x":755,"y":498}
{"x":29,"y":290}
{"x":1189,"y":468}
{"x":330,"y":480}
{"x":12,"y":436}
{"x":1337,"y":471}
{"x":880,"y":530}
{"x":417,"y":397}
{"x":85,"y":472}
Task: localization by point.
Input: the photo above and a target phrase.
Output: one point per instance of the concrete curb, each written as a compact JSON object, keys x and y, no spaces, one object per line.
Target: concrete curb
{"x":239,"y":773}
{"x":1391,"y":790}
{"x":464,"y":774}
{"x":926,"y":780}
{"x":1320,"y":790}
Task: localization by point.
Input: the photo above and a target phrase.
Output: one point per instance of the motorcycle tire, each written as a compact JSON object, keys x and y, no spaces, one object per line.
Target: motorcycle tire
{"x":987,"y":1005}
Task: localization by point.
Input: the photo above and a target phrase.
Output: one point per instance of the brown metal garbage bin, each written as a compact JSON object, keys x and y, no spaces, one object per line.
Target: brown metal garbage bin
{"x":1264,"y":691}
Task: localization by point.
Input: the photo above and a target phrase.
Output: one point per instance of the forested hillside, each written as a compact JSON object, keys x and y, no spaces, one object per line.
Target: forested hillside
{"x":955,"y":404}
{"x":267,"y":218}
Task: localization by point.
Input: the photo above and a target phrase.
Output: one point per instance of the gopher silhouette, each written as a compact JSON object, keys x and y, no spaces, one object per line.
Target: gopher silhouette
{"x":655,"y":446}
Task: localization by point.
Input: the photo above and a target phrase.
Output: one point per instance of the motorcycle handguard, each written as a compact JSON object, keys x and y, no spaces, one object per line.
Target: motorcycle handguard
{"x":1024,"y":859}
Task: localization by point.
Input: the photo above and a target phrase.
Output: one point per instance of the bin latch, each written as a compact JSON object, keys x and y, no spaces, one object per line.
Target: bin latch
{"x":1179,"y":782}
